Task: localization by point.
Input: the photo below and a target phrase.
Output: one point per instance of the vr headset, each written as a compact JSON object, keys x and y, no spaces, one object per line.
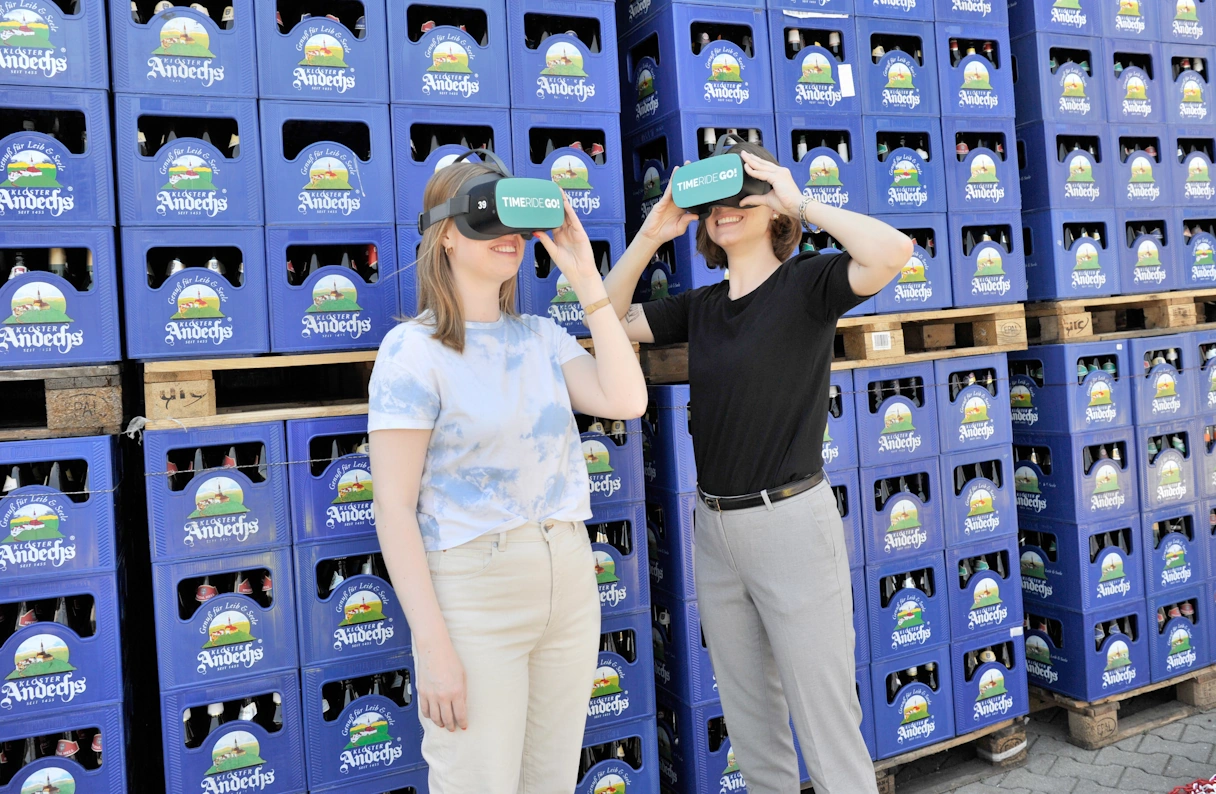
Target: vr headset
{"x":491,"y":205}
{"x":716,"y":181}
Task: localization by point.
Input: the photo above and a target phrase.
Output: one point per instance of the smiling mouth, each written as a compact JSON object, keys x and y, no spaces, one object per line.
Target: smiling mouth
{"x":503,"y":248}
{"x":728,"y":219}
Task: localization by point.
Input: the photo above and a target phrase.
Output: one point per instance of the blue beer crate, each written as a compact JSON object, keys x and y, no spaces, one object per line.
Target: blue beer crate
{"x":218,"y":509}
{"x":1070,"y":481}
{"x":1175,"y":548}
{"x":1188,"y":97}
{"x":183,"y":51}
{"x":1027,"y":17}
{"x":1187,"y":22}
{"x":1203,"y":350}
{"x":682,"y":668}
{"x":634,"y":13}
{"x":230,"y":635}
{"x":1071,"y":91}
{"x":995,"y":269}
{"x":623,"y":689}
{"x":1129,"y":20}
{"x":1070,"y":254}
{"x":596,"y":191}
{"x":409,"y":242}
{"x":669,"y":538}
{"x":924,"y":281}
{"x":665,"y":71}
{"x":979,"y":502}
{"x":53,"y":181}
{"x":1167,"y":477}
{"x":563,"y":71}
{"x":668,"y":460}
{"x":407,"y":781}
{"x":846,"y":490}
{"x":898,"y":83}
{"x":826,"y":174}
{"x":61,"y":662}
{"x":866,"y":698}
{"x":982,"y":177}
{"x":1065,"y":166}
{"x":897,"y":415}
{"x":54,"y":771}
{"x":1081,"y":566}
{"x":623,"y":576}
{"x":194,"y":312}
{"x":52,"y":49}
{"x":690,"y":761}
{"x":903,"y":180}
{"x":895,"y":9}
{"x":1133,"y":95}
{"x":321,"y":58}
{"x":1164,"y":391}
{"x":188,"y":181}
{"x":1147,"y":260}
{"x":1078,"y":665}
{"x":815,"y":7}
{"x":639,"y":773}
{"x":840,"y":432}
{"x":1142,"y":172}
{"x":982,"y":600}
{"x":677,"y":267}
{"x":989,"y":11}
{"x":360,"y":617}
{"x":817,"y":72}
{"x":861,"y":616}
{"x":68,"y":530}
{"x":917,"y":714}
{"x":1179,"y":644}
{"x":367,"y":739}
{"x":994,"y":690}
{"x":444,"y":64}
{"x":1205,"y":460}
{"x":335,"y":308}
{"x":84,"y":327}
{"x":980,"y":84}
{"x":326,"y":182}
{"x":913,"y":618}
{"x":1192,"y":172}
{"x":973,"y":403}
{"x":418,"y":151}
{"x":329,"y":499}
{"x":550,"y":295}
{"x":1048,"y":395}
{"x":1206,"y":518}
{"x":273,"y":761}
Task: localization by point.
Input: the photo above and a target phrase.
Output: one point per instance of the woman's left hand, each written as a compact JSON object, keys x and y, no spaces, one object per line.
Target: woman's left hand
{"x":570,"y":249}
{"x":785,"y":195}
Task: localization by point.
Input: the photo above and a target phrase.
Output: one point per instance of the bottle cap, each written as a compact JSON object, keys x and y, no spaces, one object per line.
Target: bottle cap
{"x":215,"y":710}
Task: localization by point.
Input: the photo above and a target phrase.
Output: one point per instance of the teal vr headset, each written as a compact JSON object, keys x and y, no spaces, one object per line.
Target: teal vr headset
{"x":490,"y":205}
{"x":716,"y":181}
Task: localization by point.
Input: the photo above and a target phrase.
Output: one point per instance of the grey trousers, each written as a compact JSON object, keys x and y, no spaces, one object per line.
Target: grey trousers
{"x":776,"y":605}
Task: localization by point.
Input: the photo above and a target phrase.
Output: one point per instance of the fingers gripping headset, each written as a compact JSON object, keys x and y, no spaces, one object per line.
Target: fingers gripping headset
{"x":719,"y":180}
{"x":491,"y":205}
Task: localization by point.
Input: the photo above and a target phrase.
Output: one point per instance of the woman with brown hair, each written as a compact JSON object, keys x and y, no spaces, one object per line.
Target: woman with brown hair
{"x":771,"y":573}
{"x":482,"y":495}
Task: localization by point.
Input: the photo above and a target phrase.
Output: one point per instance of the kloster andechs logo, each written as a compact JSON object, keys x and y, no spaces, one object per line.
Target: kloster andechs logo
{"x":1087,"y":271}
{"x":26,"y":46}
{"x":823,"y":180}
{"x":236,"y":765}
{"x":900,"y":91}
{"x":571,"y":170}
{"x":898,"y":434}
{"x":1034,"y":575}
{"x":189,"y":191}
{"x":723,"y":63}
{"x":219,"y":513}
{"x":1038,"y":660}
{"x":647,"y":103}
{"x":987,"y":609}
{"x":362,"y":622}
{"x":42,"y":674}
{"x":38,"y":321}
{"x":984,"y":182}
{"x":564,"y":75}
{"x":197,"y":301}
{"x":370,"y":743}
{"x":328,"y":192}
{"x":35,"y":538}
{"x":907,"y":613}
{"x":335,"y":311}
{"x":452,"y":54}
{"x":32,"y":167}
{"x":1119,"y":668}
{"x":1080,"y":183}
{"x":323,"y":47}
{"x":184,"y":55}
{"x":608,"y":697}
{"x":1112,"y":581}
{"x":1181,"y":654}
{"x":1071,"y":84}
{"x":905,"y":172}
{"x":1135,"y":93}
{"x":231,"y":643}
{"x":352,"y":506}
{"x":817,"y":80}
{"x":1069,"y":13}
{"x":976,"y":90}
{"x":918,"y":722}
{"x":992,"y":698}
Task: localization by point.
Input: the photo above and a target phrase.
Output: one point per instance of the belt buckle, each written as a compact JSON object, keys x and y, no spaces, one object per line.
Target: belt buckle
{"x":712,"y":503}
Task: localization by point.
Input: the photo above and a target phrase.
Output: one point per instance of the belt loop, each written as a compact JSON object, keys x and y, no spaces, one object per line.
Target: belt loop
{"x":764,"y":496}
{"x":502,"y":541}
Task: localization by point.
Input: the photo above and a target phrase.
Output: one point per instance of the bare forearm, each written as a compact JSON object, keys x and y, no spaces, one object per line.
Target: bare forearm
{"x":623,"y":278}
{"x":617,"y":371}
{"x":870,"y":242}
{"x":405,"y":558}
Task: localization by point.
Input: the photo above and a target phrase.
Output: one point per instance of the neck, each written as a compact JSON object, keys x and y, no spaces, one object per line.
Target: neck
{"x":750,"y":266}
{"x":478,"y":298}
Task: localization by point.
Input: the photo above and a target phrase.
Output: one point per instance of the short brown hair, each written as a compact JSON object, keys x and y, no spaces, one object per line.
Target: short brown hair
{"x":785,"y":231}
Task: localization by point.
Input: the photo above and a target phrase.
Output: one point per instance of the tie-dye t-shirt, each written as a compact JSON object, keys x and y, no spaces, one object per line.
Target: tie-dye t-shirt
{"x":504,"y":446}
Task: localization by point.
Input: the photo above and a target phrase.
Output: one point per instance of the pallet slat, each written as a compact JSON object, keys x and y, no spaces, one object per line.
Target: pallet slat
{"x":1090,"y":319}
{"x":79,"y":401}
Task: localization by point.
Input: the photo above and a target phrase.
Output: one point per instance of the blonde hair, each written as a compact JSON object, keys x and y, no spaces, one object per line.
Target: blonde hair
{"x":436,"y":285}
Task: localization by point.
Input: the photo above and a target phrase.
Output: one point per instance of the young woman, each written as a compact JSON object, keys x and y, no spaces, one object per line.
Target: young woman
{"x":483,"y":493}
{"x":772,"y":577}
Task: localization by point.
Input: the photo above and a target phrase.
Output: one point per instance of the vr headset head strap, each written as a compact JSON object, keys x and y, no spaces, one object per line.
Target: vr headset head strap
{"x":723,"y":144}
{"x":459,"y":204}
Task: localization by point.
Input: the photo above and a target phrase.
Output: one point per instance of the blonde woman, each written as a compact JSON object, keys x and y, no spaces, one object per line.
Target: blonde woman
{"x":483,"y":497}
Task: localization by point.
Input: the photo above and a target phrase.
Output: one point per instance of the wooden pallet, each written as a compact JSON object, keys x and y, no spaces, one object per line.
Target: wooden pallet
{"x":1097,"y":724}
{"x":60,"y":401}
{"x":1002,"y":745}
{"x":879,"y":339}
{"x":1118,"y":316}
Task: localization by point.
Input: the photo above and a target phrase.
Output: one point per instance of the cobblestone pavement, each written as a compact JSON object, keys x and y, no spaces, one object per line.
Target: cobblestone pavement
{"x":1153,"y":763}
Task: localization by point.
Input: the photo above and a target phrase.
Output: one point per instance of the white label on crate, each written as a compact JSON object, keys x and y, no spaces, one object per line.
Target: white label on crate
{"x":881,"y":340}
{"x":847,"y":89}
{"x":1016,"y":631}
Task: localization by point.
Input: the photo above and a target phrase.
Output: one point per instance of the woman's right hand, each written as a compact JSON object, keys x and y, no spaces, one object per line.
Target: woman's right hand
{"x":441,"y":685}
{"x":666,"y":221}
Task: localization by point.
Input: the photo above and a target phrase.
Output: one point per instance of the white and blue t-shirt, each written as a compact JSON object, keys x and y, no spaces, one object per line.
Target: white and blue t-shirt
{"x":504,"y":446}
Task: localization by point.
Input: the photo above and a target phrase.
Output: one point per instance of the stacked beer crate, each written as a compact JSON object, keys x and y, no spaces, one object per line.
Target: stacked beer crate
{"x":61,"y":571}
{"x":1116,"y":136}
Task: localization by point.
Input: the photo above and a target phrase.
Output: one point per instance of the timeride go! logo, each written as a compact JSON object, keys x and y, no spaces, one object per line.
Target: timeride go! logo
{"x":322,"y":48}
{"x":184,"y":53}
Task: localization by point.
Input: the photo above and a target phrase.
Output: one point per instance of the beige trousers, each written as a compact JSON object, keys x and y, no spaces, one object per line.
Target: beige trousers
{"x":523,"y":612}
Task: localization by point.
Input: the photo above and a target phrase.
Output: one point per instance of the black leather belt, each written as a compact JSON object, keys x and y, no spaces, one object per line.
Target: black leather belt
{"x":721,"y":503}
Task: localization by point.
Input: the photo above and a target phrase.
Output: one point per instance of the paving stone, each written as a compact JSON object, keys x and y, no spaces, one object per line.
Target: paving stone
{"x":1041,"y":784}
{"x":1090,"y":787}
{"x":1196,"y":751}
{"x":1105,"y":773}
{"x":1171,"y":732}
{"x":1039,"y":763}
{"x":1062,"y":749}
{"x":987,"y":788}
{"x":1120,"y":757}
{"x":1200,"y":731}
{"x":1137,"y":778}
{"x":1188,"y":770}
{"x":1131,"y":743}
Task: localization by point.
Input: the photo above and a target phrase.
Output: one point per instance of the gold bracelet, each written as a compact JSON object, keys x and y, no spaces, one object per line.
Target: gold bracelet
{"x":599,"y":304}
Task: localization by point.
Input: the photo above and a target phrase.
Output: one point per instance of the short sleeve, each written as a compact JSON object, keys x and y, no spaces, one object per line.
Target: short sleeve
{"x":562,"y":346}
{"x":668,"y":318}
{"x":826,"y":285}
{"x":402,"y":394}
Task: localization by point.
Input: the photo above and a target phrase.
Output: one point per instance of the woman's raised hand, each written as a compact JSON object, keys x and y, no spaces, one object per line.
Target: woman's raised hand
{"x":570,"y":249}
{"x":666,"y":221}
{"x":785,"y":195}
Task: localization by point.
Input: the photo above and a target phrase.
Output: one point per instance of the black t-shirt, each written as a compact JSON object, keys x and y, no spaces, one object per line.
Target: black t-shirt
{"x":758,"y":370}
